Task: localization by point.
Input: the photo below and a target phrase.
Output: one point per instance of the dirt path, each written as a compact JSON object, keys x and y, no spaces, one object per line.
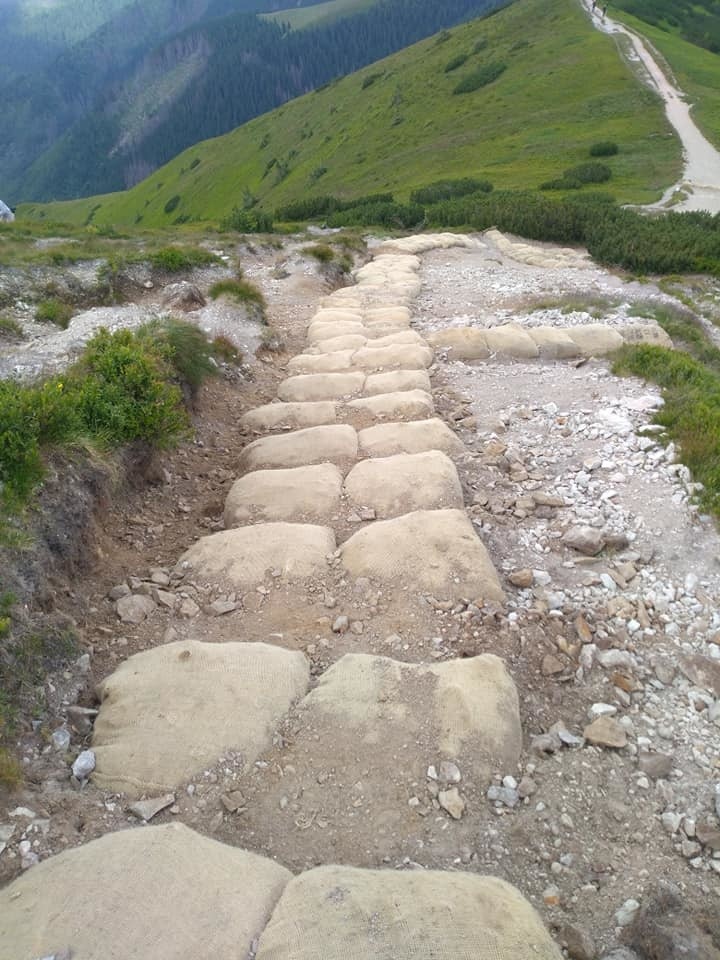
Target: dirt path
{"x":700,"y":184}
{"x":401,"y":678}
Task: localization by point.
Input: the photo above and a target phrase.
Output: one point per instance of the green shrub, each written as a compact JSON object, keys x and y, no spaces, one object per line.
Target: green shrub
{"x":322,"y":207}
{"x":122,"y":390}
{"x":54,"y":311}
{"x":447,"y":189}
{"x":195,"y":163}
{"x":456,"y":62}
{"x":589,"y":173}
{"x":246,"y":220}
{"x":604,"y":148}
{"x":668,"y":243}
{"x":396,"y":216}
{"x":370,"y":79}
{"x":172,"y":204}
{"x":317,"y":173}
{"x":480,"y":45}
{"x":320,"y":251}
{"x":10,"y":328}
{"x":179,"y":259}
{"x":481,"y":77}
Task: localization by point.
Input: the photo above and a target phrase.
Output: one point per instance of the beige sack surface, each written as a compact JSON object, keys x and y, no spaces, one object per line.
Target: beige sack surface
{"x":462,"y":343}
{"x":167,"y":713}
{"x":341,"y":913}
{"x":436,"y":551}
{"x":645,"y":333}
{"x":398,"y":356}
{"x":348,"y":341}
{"x":336,"y":361}
{"x":302,"y":493}
{"x":512,"y":341}
{"x":275,"y":416}
{"x":396,"y":485}
{"x":152,"y":893}
{"x":337,"y":444}
{"x":323,"y":330}
{"x":595,"y":339}
{"x":321,"y":386}
{"x":387,"y":439}
{"x":242,"y":557}
{"x":395,"y":380}
{"x":554,"y":343}
{"x":405,"y":404}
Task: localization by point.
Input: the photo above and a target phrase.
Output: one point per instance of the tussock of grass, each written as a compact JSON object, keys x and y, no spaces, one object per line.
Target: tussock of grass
{"x":691,"y":414}
{"x":180,"y":259}
{"x":242,"y":291}
{"x":597,"y":306}
{"x":10,"y":328}
{"x":54,"y":311}
{"x":322,"y":252}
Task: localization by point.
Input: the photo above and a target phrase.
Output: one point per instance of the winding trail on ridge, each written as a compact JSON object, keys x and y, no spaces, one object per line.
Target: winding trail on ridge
{"x":701,"y":177}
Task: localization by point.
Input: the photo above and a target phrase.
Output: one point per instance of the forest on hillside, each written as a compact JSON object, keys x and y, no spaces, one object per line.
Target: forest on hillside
{"x":114,"y":107}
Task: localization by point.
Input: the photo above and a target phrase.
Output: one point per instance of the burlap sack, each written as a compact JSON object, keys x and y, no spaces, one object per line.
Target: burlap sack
{"x":595,"y":339}
{"x":321,"y":386}
{"x":276,"y":416}
{"x":392,"y":486}
{"x":336,"y":444}
{"x":512,"y":341}
{"x":337,"y":361}
{"x":152,"y":893}
{"x":342,"y":913}
{"x":403,"y":405}
{"x":554,"y":343}
{"x":167,"y":713}
{"x":241,"y":558}
{"x":427,"y":551}
{"x":297,"y":495}
{"x":395,"y":380}
{"x":462,"y":343}
{"x":387,"y":439}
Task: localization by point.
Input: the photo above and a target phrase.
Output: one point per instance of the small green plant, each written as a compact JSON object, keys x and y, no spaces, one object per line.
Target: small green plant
{"x":480,"y":45}
{"x":10,"y":328}
{"x":245,"y":220}
{"x":242,"y":291}
{"x":194,"y":163}
{"x":691,"y":413}
{"x":320,"y":251}
{"x":604,"y":148}
{"x":480,"y":78}
{"x":370,"y":79}
{"x":224,"y":349}
{"x":317,"y":173}
{"x":180,"y":259}
{"x":172,"y":203}
{"x":184,"y":346}
{"x":54,"y":311}
{"x":456,"y":62}
{"x":447,"y":189}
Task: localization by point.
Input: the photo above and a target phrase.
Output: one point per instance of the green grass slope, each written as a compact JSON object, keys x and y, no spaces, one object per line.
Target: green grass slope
{"x":397,"y":125}
{"x":696,"y":70}
{"x":300,"y":18}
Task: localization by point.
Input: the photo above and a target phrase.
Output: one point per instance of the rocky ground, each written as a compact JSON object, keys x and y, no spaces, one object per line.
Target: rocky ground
{"x":609,"y":630}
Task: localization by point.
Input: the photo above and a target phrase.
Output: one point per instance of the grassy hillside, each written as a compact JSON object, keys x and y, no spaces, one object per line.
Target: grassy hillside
{"x":397,"y":125}
{"x":301,"y":17}
{"x":696,"y":70}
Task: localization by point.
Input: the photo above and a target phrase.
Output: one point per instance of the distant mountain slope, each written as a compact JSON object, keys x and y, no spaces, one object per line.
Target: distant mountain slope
{"x":299,"y":18}
{"x":397,"y":125}
{"x":695,"y":67}
{"x":697,"y":21}
{"x":114,"y":107}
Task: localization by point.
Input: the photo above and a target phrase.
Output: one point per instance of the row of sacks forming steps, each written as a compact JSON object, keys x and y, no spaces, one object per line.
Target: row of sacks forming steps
{"x":168,"y":893}
{"x":546,"y":343}
{"x":405,"y":478}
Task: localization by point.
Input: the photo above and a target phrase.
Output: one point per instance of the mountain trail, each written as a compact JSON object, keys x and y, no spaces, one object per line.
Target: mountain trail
{"x":699,"y":188}
{"x":395,"y":678}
